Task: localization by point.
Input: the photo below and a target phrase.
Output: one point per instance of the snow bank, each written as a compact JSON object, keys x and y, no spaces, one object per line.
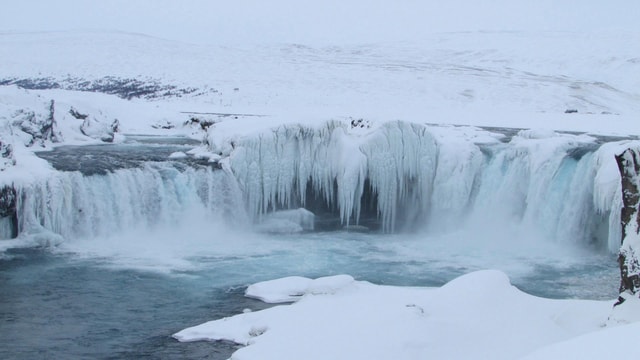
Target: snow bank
{"x":479,"y":315}
{"x":606,"y":343}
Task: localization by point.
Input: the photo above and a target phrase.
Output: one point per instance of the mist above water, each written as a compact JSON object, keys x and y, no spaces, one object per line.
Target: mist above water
{"x":119,"y":260}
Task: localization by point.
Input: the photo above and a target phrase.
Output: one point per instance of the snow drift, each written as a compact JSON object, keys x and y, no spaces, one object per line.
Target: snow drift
{"x":479,"y":315}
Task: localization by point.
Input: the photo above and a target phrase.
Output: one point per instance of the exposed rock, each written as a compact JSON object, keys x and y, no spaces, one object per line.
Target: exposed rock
{"x":39,"y":127}
{"x":8,"y":201}
{"x":360,"y":123}
{"x":629,"y":256}
{"x":76,"y":114}
{"x":6,"y":155}
{"x":203,"y":121}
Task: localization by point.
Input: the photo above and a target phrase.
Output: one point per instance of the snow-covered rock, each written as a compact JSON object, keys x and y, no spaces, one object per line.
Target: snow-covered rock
{"x":40,"y":125}
{"x":96,"y":127}
{"x":32,"y":118}
{"x":629,"y":256}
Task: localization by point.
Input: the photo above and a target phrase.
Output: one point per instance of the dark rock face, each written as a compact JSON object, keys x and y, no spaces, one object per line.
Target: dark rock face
{"x":6,"y":155}
{"x":40,"y":128}
{"x":629,"y":167}
{"x":8,"y":202}
{"x":629,"y":256}
{"x":76,"y":114}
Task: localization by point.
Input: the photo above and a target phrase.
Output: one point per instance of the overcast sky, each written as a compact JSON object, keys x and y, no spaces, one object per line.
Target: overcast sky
{"x":321,"y":21}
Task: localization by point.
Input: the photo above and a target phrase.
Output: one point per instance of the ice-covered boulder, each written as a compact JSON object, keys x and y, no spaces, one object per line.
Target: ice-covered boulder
{"x":34,"y":118}
{"x":96,"y":126}
{"x":40,"y":125}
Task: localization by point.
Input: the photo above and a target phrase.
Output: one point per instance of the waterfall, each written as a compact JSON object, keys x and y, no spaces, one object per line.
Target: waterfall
{"x":74,"y":205}
{"x":417,"y":179}
{"x":395,"y":177}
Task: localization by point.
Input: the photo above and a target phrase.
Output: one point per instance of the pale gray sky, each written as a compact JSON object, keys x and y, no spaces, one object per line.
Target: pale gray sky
{"x":328,"y":21}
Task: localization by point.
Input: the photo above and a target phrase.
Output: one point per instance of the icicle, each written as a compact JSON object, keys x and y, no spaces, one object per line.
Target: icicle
{"x":534,"y":180}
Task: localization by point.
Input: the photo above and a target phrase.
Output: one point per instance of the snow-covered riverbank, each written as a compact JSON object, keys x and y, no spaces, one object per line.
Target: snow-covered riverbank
{"x":483,"y":129}
{"x":476,"y":316}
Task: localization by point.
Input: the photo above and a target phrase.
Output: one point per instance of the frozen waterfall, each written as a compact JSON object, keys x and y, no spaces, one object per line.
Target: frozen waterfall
{"x":74,"y":205}
{"x":390,"y":177}
{"x":405,"y":176}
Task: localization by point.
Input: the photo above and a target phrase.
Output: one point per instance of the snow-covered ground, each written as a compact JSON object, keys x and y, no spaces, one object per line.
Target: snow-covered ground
{"x":492,"y":79}
{"x":553,"y":80}
{"x":476,"y":316}
{"x":575,"y":71}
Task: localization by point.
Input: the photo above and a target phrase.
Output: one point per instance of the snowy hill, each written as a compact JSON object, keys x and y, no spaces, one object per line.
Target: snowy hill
{"x":446,"y":78}
{"x":556,"y":80}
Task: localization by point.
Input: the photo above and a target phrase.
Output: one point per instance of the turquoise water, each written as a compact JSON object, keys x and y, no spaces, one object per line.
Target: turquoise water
{"x":54,"y":307}
{"x":153,"y":247}
{"x":72,"y":303}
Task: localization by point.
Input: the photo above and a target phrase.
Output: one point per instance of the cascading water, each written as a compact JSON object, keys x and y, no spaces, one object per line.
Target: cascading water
{"x":457,"y":199}
{"x":543,"y":181}
{"x":398,"y":177}
{"x":74,"y":205}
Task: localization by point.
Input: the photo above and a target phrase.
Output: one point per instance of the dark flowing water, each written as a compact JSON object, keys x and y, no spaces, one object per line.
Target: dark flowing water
{"x":103,"y":158}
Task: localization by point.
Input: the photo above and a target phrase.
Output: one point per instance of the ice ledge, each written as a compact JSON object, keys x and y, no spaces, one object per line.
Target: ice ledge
{"x":292,"y":288}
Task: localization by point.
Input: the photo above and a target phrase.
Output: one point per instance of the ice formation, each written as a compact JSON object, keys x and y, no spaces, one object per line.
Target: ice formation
{"x":276,"y":168}
{"x":560,"y":185}
{"x":75,"y":205}
{"x":393,"y":176}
